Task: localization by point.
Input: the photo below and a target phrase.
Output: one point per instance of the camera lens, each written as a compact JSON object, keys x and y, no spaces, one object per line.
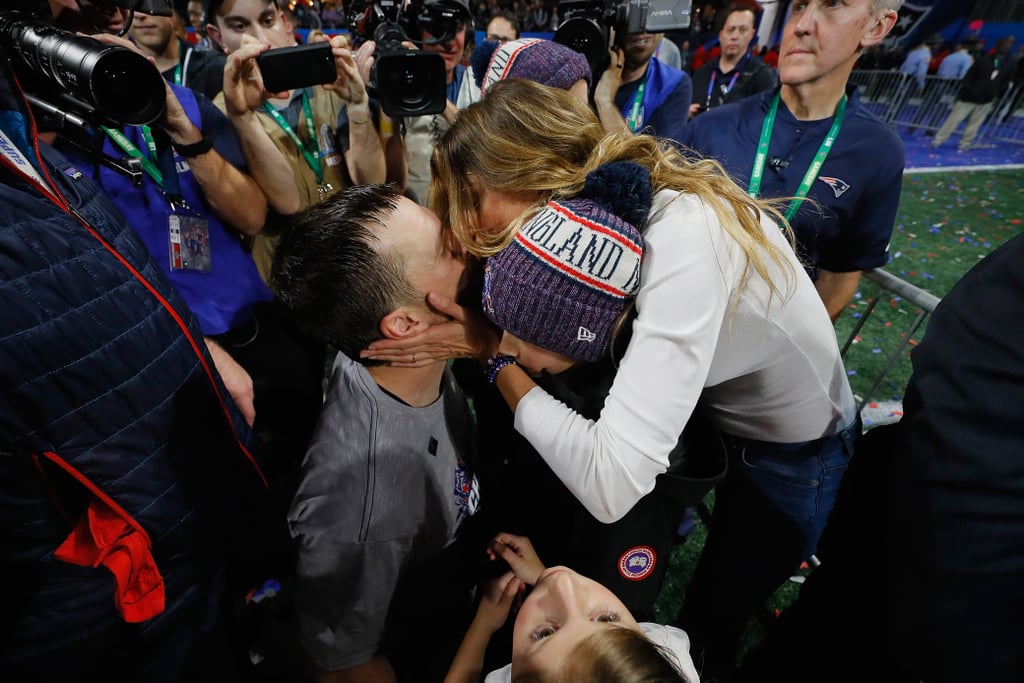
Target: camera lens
{"x":119,"y":83}
{"x":411,"y":83}
{"x":587,"y":38}
{"x":124,"y":88}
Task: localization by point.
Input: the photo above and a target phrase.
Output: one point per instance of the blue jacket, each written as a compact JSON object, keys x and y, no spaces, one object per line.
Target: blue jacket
{"x":665,"y":106}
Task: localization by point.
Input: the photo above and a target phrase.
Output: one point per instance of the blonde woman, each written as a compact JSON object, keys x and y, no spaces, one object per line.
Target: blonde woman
{"x":726,"y":316}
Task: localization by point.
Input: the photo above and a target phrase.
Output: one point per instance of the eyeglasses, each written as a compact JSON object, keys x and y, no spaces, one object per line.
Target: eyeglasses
{"x":500,"y":39}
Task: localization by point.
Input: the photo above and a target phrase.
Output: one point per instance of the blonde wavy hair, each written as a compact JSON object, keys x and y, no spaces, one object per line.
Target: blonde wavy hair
{"x":541,"y":142}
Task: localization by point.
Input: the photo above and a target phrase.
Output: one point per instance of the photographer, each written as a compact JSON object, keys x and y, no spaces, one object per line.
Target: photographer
{"x":422,"y":132}
{"x":180,"y":63}
{"x":640,"y":93}
{"x":123,"y":460}
{"x":306,"y":143}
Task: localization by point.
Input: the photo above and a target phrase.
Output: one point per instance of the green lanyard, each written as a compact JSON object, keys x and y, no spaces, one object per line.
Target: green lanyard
{"x":635,"y":117}
{"x":182,"y":52}
{"x":312,"y":158}
{"x":757,"y":172}
{"x":129,"y":148}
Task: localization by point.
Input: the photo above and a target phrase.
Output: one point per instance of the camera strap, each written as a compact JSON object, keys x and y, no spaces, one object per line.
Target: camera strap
{"x":757,"y":172}
{"x":312,"y":157}
{"x":128,"y":147}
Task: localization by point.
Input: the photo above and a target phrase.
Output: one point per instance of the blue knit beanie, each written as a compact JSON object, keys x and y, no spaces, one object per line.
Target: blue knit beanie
{"x":542,"y":61}
{"x":573,"y":268}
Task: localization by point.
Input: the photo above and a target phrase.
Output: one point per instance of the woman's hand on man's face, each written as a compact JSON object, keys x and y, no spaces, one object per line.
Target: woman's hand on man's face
{"x":466,"y":335}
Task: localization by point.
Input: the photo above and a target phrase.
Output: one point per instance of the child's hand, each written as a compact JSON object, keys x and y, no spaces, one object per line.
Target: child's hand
{"x":496,"y":602}
{"x":520,"y":555}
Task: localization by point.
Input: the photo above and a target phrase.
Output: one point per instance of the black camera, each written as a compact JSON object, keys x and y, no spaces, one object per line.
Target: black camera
{"x":587,"y":24}
{"x":407,"y":81}
{"x":73,"y":78}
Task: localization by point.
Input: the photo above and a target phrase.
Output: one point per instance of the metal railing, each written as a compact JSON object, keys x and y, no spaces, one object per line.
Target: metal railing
{"x":924,"y":301}
{"x":898,"y":100}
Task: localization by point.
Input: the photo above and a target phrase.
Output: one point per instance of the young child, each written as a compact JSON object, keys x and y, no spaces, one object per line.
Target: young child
{"x":569,"y":628}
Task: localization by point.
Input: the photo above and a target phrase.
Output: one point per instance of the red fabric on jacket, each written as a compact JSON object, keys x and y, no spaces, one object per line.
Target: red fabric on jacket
{"x":103,"y":537}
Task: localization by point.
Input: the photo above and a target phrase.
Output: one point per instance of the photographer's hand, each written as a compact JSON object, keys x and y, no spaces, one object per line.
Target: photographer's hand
{"x":349,"y":85}
{"x":244,"y":91}
{"x":244,"y":95}
{"x":365,"y":59}
{"x":604,"y":93}
{"x":365,"y":155}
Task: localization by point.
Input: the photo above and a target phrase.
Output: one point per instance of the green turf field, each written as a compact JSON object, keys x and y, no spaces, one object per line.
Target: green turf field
{"x":946,"y":223}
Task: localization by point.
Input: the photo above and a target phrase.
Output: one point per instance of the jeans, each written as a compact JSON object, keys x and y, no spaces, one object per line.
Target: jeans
{"x":768,"y":516}
{"x":800,"y":479}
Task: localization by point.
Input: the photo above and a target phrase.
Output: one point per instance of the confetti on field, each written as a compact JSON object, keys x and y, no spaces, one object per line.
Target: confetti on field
{"x":945,"y":223}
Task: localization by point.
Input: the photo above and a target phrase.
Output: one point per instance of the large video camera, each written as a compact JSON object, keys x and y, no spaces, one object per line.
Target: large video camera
{"x":587,"y":24}
{"x":407,"y":81}
{"x":69,"y":78}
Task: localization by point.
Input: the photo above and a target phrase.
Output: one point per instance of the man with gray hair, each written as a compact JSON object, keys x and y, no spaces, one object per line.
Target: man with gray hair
{"x":808,"y":138}
{"x":779,"y":145}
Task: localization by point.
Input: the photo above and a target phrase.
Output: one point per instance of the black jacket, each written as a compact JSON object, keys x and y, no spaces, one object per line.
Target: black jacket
{"x":755,"y":76}
{"x":987,"y":78}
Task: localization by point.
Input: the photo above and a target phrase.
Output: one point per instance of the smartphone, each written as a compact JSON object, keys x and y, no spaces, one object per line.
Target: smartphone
{"x":287,"y":68}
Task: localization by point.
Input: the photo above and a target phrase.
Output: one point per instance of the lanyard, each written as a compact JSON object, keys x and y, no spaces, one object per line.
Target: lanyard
{"x":128,"y":147}
{"x":728,"y":89}
{"x":182,"y":54}
{"x":312,"y":158}
{"x":757,"y":172}
{"x":732,"y":82}
{"x":636,"y":118}
{"x":21,"y":162}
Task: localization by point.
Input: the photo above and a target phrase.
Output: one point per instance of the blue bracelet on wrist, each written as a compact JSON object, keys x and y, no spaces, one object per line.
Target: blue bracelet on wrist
{"x":496,"y":363}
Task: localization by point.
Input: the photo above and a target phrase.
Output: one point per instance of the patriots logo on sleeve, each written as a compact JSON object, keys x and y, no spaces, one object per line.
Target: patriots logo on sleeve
{"x":838,"y":186}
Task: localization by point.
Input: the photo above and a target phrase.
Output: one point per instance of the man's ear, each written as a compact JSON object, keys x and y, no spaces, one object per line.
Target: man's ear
{"x":215,"y":36}
{"x":879,"y":29}
{"x":403,"y":322}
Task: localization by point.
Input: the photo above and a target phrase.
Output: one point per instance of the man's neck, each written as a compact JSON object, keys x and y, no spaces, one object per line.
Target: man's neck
{"x":419,"y":387}
{"x":727,"y":64}
{"x":169,"y":58}
{"x":814,"y":100}
{"x":629,"y":75}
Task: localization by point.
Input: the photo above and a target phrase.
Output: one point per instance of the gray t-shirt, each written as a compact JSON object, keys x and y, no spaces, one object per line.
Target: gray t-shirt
{"x":383,"y":488}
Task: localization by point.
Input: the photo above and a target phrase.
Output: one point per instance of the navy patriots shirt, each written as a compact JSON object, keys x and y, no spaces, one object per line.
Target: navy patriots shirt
{"x":857,"y":189}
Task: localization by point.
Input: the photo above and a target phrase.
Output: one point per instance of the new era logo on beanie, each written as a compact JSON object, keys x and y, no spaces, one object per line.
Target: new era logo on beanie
{"x":573,"y":269}
{"x":542,"y":61}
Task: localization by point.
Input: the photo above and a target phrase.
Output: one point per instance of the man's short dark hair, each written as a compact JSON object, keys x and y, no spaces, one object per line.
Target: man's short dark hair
{"x":330,"y":274}
{"x":212,"y":8}
{"x":732,"y":9}
{"x":507,"y":16}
